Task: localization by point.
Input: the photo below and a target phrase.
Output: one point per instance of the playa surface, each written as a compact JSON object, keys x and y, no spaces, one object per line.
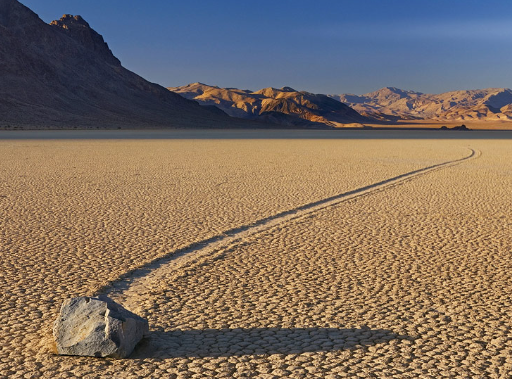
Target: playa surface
{"x":410,"y":278}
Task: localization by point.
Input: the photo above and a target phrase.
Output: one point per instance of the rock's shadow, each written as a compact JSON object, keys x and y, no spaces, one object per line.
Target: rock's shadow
{"x":237,"y":342}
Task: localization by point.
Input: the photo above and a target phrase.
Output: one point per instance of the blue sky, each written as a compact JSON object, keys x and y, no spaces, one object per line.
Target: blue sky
{"x":320,"y":46}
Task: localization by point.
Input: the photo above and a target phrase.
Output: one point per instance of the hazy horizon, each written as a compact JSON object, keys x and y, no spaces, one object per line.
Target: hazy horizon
{"x":332,"y":47}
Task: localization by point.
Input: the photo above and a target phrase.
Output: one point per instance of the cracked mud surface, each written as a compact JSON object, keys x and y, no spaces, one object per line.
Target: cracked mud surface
{"x":411,"y":281}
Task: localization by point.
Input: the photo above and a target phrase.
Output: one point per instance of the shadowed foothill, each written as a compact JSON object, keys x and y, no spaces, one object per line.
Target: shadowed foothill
{"x":458,"y":128}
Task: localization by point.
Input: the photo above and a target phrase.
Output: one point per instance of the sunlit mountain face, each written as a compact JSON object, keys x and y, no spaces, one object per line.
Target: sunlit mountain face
{"x":491,"y":104}
{"x":284,"y":106}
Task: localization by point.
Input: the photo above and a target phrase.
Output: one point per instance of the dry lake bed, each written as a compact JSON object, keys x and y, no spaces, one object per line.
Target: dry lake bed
{"x":265,"y":254}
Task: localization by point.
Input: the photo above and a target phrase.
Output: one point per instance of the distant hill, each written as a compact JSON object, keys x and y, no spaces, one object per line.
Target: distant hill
{"x":284,"y":106}
{"x":390,"y":103}
{"x":63,"y":74}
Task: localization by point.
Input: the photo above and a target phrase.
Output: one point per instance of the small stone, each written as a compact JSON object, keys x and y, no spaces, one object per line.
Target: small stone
{"x":97,"y":327}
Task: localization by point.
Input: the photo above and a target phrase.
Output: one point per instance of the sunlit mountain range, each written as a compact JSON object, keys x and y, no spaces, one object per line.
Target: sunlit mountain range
{"x":284,"y":106}
{"x":64,"y":75}
{"x":392,"y":103}
{"x":388,"y":104}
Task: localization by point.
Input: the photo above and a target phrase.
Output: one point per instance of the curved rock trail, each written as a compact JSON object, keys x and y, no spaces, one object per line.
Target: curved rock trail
{"x":130,"y":287}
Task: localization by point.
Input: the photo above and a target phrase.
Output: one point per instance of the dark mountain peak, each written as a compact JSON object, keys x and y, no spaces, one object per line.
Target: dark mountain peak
{"x":287,"y":89}
{"x":13,"y":14}
{"x":78,"y":29}
{"x":64,"y":75}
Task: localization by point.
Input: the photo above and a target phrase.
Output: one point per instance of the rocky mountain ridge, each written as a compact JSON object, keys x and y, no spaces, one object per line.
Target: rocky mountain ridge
{"x":390,"y":103}
{"x":385,"y":106}
{"x":77,"y":28}
{"x":284,"y":106}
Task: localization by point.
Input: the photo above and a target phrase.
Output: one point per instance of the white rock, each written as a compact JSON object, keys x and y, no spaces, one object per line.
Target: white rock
{"x":97,"y":327}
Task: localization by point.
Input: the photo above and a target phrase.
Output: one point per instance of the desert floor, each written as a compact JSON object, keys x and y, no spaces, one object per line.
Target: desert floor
{"x":355,"y":257}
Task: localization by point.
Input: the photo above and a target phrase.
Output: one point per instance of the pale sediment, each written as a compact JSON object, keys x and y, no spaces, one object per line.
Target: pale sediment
{"x":409,"y":281}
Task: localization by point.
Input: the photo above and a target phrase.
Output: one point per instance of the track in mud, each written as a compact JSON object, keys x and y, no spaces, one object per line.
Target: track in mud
{"x":134,"y":282}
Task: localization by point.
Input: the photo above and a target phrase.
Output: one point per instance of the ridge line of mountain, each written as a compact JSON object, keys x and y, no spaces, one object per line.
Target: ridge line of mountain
{"x":64,"y":75}
{"x":284,"y":106}
{"x":388,"y":104}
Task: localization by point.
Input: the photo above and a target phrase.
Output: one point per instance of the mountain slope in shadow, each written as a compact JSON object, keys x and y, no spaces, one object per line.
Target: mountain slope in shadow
{"x":63,"y":75}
